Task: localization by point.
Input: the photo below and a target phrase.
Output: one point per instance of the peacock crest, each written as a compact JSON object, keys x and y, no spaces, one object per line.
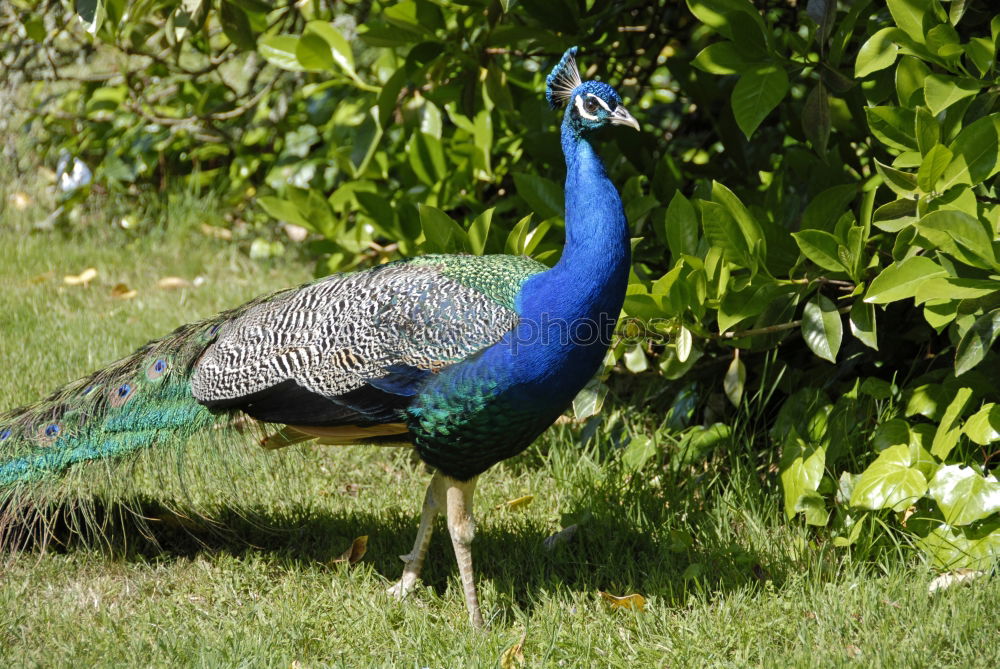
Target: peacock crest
{"x":563,"y":80}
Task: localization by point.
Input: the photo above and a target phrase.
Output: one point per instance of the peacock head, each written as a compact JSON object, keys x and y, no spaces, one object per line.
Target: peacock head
{"x":590,"y":105}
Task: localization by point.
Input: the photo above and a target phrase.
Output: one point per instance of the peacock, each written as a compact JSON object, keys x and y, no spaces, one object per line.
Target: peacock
{"x":465,"y":358}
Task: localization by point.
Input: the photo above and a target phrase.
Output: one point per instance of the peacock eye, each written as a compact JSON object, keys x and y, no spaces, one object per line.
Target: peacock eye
{"x":590,"y":105}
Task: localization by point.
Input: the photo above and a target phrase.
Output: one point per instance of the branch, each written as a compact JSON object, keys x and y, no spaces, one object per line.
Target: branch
{"x":770,"y":329}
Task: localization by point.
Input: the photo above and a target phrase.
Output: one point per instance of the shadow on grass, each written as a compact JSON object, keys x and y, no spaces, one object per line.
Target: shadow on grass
{"x":609,"y":552}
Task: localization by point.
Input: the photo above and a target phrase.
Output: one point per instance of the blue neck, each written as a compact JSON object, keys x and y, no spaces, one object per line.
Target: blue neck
{"x":597,"y":251}
{"x":586,"y":287}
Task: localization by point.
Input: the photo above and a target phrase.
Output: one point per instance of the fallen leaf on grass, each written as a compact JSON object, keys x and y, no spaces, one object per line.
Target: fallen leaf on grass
{"x":906,"y":515}
{"x":957,"y":577}
{"x":356,"y":551}
{"x":634,"y":601}
{"x":172,"y":283}
{"x":123,"y":292}
{"x":20,"y":200}
{"x":296,"y":232}
{"x":216,"y":232}
{"x":515,"y":504}
{"x":81,"y":279}
{"x":513,"y":657}
{"x":560,"y":537}
{"x":41,"y":278}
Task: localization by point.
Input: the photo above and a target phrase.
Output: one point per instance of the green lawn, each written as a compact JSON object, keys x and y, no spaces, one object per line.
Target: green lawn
{"x":727,"y":581}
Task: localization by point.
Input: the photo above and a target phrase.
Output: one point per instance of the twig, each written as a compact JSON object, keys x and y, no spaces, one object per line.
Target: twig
{"x":770,"y":329}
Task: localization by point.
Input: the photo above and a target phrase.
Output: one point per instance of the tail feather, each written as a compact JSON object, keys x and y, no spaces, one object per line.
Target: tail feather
{"x":138,"y":402}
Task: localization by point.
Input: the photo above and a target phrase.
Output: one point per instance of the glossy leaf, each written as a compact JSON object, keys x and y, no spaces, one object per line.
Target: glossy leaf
{"x":863,"y":323}
{"x":681,"y":226}
{"x":963,"y":495}
{"x":949,"y":429}
{"x":983,"y":427}
{"x":756,"y":94}
{"x":891,"y":482}
{"x":801,"y":470}
{"x":734,"y":380}
{"x":877,"y":53}
{"x":822,"y":328}
{"x":977,"y":341}
{"x":901,"y":280}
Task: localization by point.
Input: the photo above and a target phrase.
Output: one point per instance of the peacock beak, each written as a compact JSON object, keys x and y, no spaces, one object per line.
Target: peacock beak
{"x":620,"y":116}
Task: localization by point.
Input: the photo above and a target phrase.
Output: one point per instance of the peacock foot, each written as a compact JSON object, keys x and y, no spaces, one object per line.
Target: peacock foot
{"x":405,"y":585}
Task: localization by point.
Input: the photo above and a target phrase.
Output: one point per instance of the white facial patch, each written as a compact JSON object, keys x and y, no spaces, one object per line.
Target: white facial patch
{"x":583,"y":112}
{"x":600,"y":101}
{"x":580,"y":110}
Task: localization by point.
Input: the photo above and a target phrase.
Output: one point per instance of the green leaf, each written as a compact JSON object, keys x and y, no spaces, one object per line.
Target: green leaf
{"x":963,"y":548}
{"x":427,"y":159}
{"x":976,"y":342}
{"x":942,"y":91}
{"x":978,"y":147}
{"x":915,"y":17}
{"x":722,"y":58}
{"x":684,"y":344}
{"x":801,"y":470}
{"x":952,"y":288}
{"x":948,"y":430}
{"x":544,"y":196}
{"x":757,"y":93}
{"x":901,"y":183}
{"x":479,"y":231}
{"x":963,"y":495}
{"x":236,"y":26}
{"x":822,"y":328}
{"x":911,"y":73}
{"x":959,"y":235}
{"x":380,"y":210}
{"x":681,"y":226}
{"x":735,"y":380}
{"x":932,"y":167}
{"x":821,"y":248}
{"x":279,"y":50}
{"x":863,"y":324}
{"x":816,"y":118}
{"x":891,"y":482}
{"x":983,"y":427}
{"x":589,"y":401}
{"x":877,"y":53}
{"x":635,"y":359}
{"x":900,"y":280}
{"x":717,"y":14}
{"x":827,"y":207}
{"x":442,"y":234}
{"x":749,"y":302}
{"x":723,"y":232}
{"x":284,"y":210}
{"x":517,"y":237}
{"x":928,"y":130}
{"x":748,"y":224}
{"x":388,"y":96}
{"x":982,"y":52}
{"x":638,"y":452}
{"x":893,"y":126}
{"x":896,"y":215}
{"x":92,"y":13}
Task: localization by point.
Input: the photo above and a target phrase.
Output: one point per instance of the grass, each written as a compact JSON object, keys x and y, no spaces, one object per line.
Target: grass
{"x":728,"y":582}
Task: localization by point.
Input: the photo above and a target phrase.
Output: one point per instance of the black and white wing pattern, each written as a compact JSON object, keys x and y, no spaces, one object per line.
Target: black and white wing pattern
{"x":353,"y":349}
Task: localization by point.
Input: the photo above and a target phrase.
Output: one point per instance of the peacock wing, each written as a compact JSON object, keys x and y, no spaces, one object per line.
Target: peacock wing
{"x":354,"y":349}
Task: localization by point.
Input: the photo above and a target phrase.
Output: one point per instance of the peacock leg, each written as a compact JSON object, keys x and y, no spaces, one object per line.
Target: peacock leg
{"x":462,"y":527}
{"x":434,"y":501}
